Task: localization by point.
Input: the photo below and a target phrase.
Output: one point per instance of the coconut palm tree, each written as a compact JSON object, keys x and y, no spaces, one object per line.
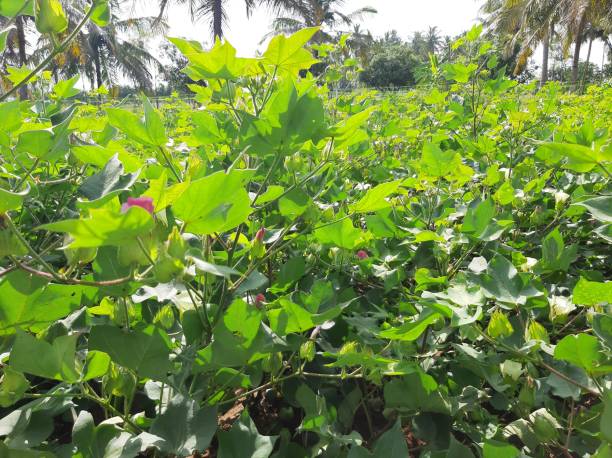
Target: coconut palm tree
{"x":314,"y":13}
{"x":433,"y":40}
{"x":528,"y":23}
{"x":104,"y":54}
{"x":214,"y":11}
{"x":577,"y":17}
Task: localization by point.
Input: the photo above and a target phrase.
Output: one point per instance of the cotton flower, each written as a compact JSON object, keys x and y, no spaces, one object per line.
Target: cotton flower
{"x":142,"y":202}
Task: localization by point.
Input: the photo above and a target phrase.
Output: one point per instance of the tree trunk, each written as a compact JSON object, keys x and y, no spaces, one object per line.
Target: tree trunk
{"x":586,"y":67}
{"x":98,"y":67}
{"x":23,"y":58}
{"x":576,"y":58}
{"x":545,"y":51}
{"x":217,"y":9}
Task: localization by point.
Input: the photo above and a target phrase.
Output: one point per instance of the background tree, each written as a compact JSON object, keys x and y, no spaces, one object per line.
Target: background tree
{"x":314,"y":13}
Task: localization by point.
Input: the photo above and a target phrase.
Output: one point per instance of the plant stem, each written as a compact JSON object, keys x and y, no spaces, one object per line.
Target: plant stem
{"x":43,"y":64}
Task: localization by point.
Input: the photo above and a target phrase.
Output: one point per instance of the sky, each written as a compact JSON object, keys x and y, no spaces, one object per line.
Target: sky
{"x":452,"y":17}
{"x":406,"y":16}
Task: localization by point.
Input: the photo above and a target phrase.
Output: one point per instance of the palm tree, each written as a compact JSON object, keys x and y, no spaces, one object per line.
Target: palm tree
{"x":16,"y":50}
{"x":433,"y":40}
{"x":314,"y":13}
{"x":528,"y":23}
{"x":213,"y":11}
{"x":577,"y":15}
{"x":102,"y":54}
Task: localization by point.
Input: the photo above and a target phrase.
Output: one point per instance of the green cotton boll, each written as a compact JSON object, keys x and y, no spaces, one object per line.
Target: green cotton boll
{"x":78,"y":256}
{"x":167,"y":268}
{"x":308,"y":351}
{"x":177,"y":247}
{"x":165,"y":317}
{"x":50,"y":16}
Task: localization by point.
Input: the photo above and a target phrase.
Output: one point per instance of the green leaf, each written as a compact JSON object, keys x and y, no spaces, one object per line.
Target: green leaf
{"x":218,"y":63}
{"x":101,"y":14}
{"x":10,"y":8}
{"x":35,"y":142}
{"x":606,"y":417}
{"x":11,"y":200}
{"x":496,"y":449}
{"x":583,"y":350}
{"x":99,"y":156}
{"x":91,"y":440}
{"x":54,"y":361}
{"x":479,"y":223}
{"x":49,"y":16}
{"x":109,"y":182}
{"x":599,"y":207}
{"x":104,"y":227}
{"x":505,"y":194}
{"x":66,"y":89}
{"x":215,"y":203}
{"x":555,"y":256}
{"x":578,"y":158}
{"x":17,"y":74}
{"x":499,"y":325}
{"x":148,"y":132}
{"x":206,"y":267}
{"x":341,"y":234}
{"x":374,"y":198}
{"x":288,"y":54}
{"x":392,"y":444}
{"x":29,"y":302}
{"x":459,"y":72}
{"x":437,"y":163}
{"x":592,"y":292}
{"x":294,"y":203}
{"x":244,"y":440}
{"x":12,"y":386}
{"x":10,"y":113}
{"x":415,"y":392}
{"x":411,"y":330}
{"x":502,"y":282}
{"x":146,"y":352}
{"x":602,"y":326}
{"x":4,"y":35}
{"x":294,"y":115}
{"x":185,"y":426}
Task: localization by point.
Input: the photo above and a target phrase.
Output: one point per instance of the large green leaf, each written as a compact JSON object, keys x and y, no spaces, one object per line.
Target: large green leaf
{"x":244,"y":440}
{"x":50,"y":16}
{"x":37,"y":357}
{"x":375,"y":198}
{"x":185,"y":426}
{"x":29,"y":302}
{"x":105,"y":227}
{"x":215,"y":203}
{"x":599,"y":207}
{"x":592,"y":292}
{"x":288,"y":53}
{"x":583,"y":350}
{"x":341,"y":234}
{"x":110,"y":181}
{"x":148,"y":131}
{"x":145,"y":351}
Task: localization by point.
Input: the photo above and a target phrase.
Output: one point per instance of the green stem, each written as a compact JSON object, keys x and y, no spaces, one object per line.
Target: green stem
{"x":170,"y":165}
{"x":43,"y":64}
{"x":33,"y":253}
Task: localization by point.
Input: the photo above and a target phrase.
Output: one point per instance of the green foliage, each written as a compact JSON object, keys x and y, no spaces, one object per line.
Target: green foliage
{"x":281,"y":272}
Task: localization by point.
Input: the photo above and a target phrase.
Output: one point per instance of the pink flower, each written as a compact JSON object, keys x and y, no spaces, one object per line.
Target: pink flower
{"x":362,"y":254}
{"x":142,"y":202}
{"x":259,"y":300}
{"x":260,"y":234}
